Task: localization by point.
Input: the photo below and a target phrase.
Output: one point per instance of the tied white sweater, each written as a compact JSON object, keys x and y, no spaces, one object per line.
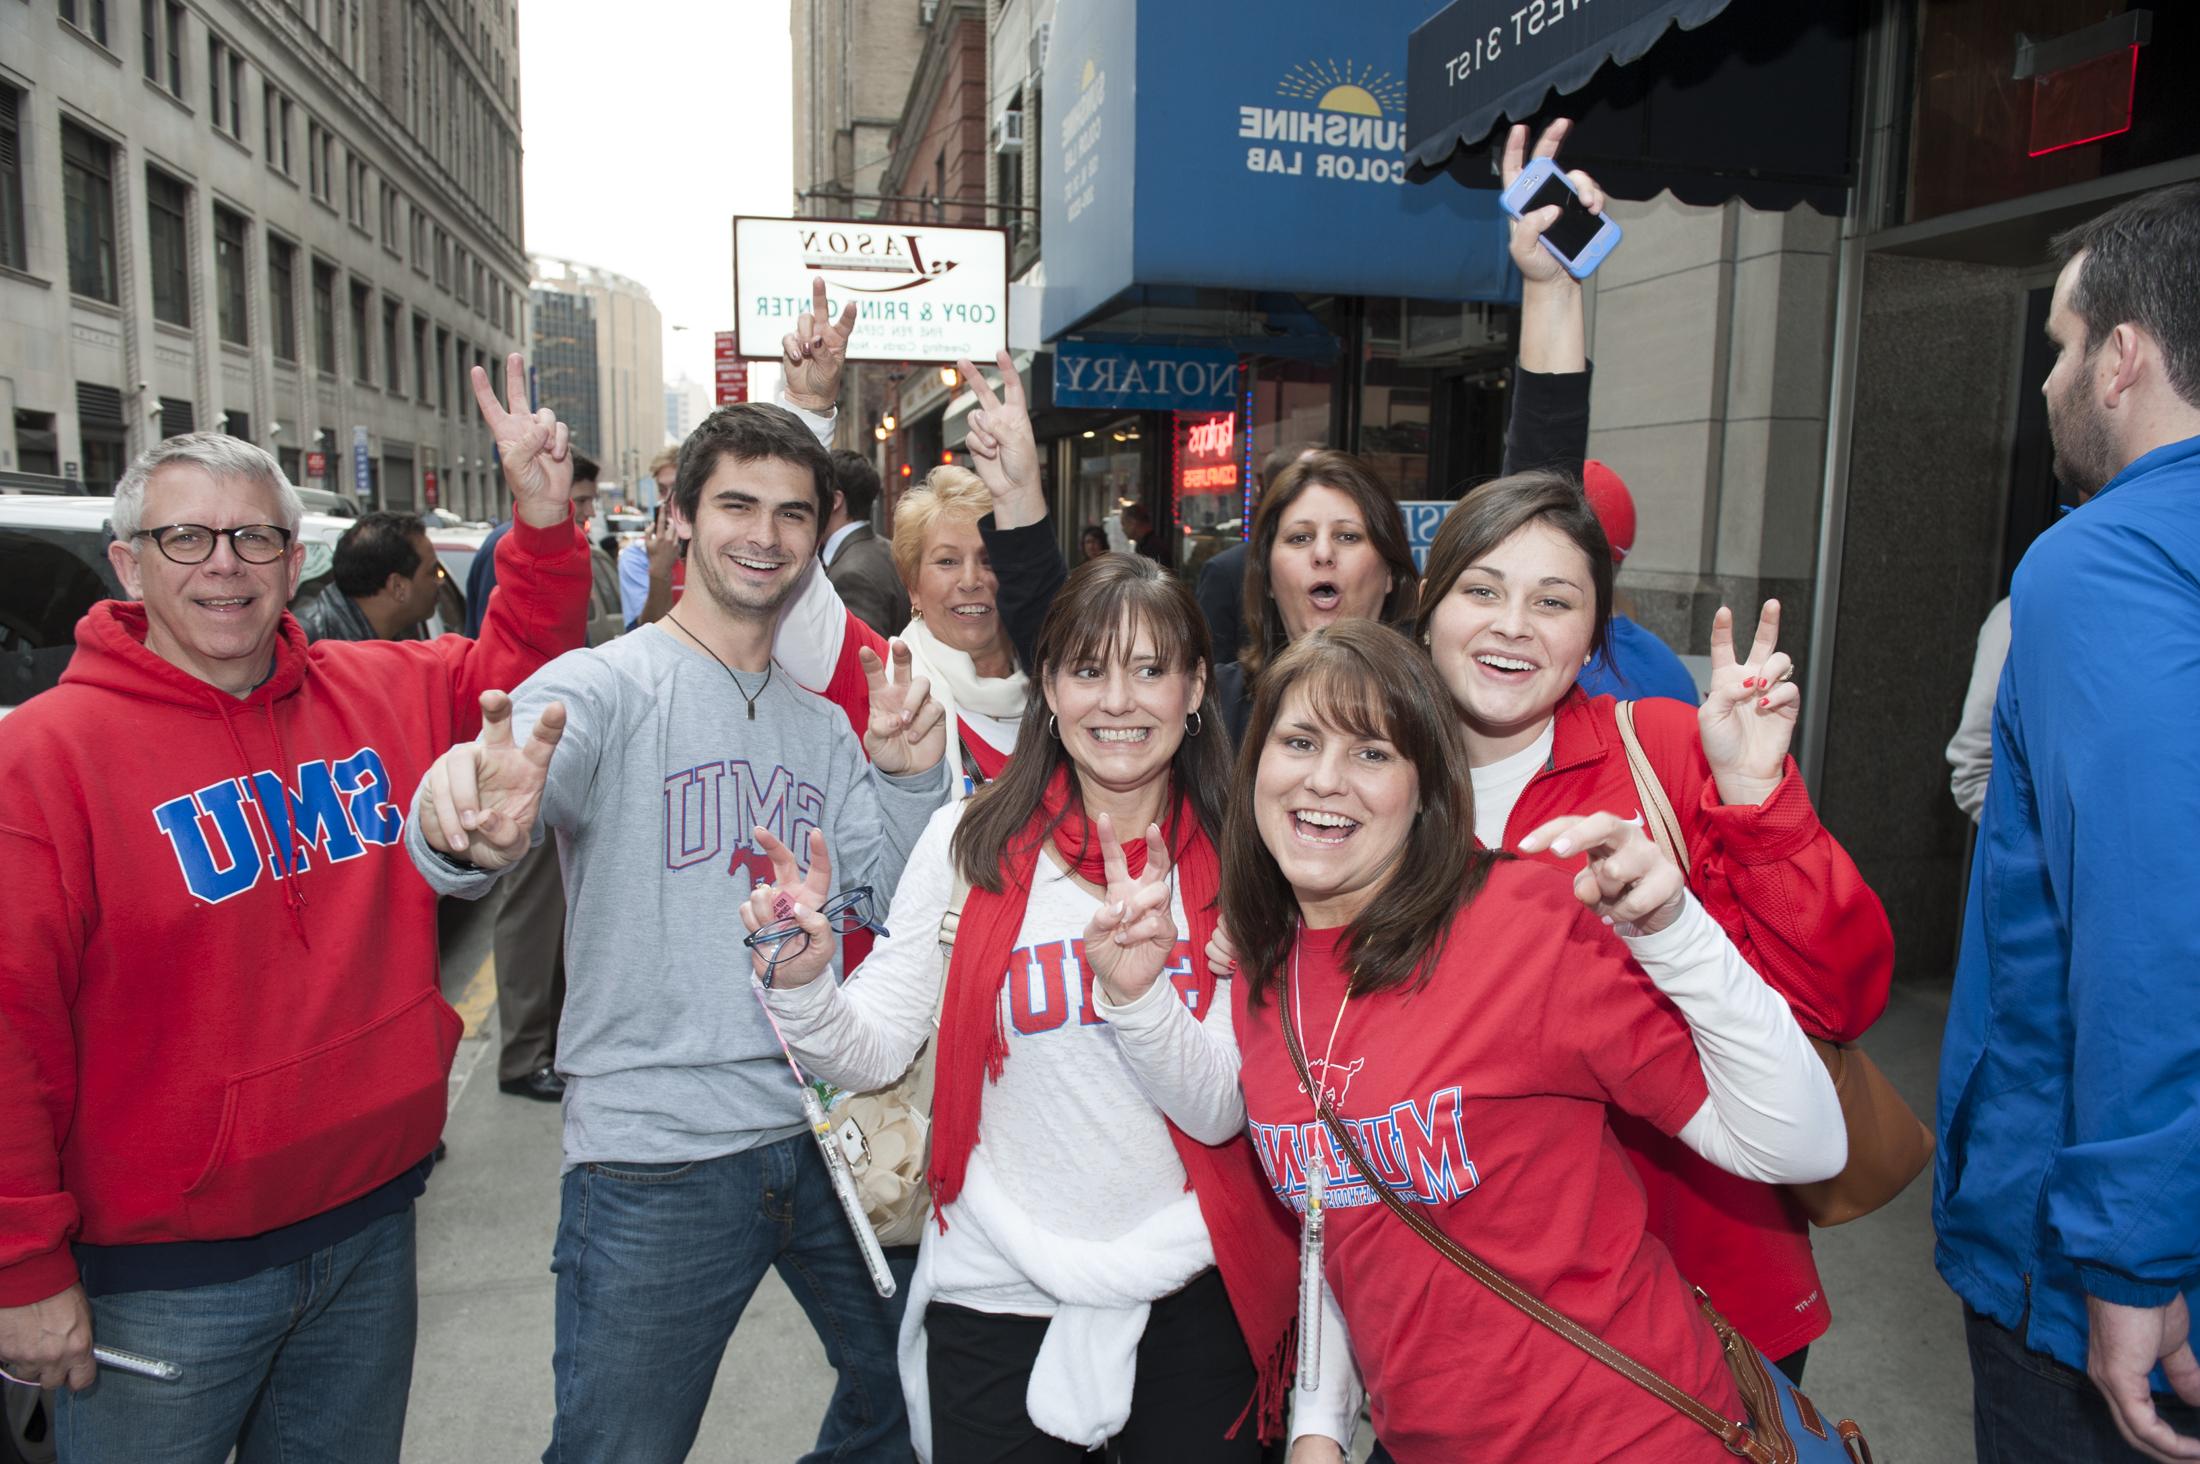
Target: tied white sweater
{"x":1075,"y":1206}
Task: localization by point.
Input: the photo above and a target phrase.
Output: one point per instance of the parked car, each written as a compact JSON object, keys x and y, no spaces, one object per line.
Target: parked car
{"x":326,"y":501}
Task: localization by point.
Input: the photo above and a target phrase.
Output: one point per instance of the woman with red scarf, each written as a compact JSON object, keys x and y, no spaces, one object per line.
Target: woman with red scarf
{"x":1105,"y":1270}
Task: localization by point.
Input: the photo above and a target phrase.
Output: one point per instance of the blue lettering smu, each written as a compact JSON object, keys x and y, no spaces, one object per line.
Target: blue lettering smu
{"x":226,"y":834}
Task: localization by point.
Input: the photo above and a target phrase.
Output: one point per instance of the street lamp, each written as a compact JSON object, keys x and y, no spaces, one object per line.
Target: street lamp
{"x":887,"y":422}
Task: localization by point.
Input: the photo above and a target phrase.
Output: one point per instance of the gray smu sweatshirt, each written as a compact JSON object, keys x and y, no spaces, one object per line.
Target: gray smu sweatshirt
{"x":652,"y":794}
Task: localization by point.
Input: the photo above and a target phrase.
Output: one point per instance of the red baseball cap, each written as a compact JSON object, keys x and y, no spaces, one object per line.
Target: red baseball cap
{"x":1613,"y":505}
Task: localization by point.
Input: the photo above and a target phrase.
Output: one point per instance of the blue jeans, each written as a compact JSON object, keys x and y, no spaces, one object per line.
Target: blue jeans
{"x":308,"y":1363}
{"x":655,"y":1263}
{"x":2028,"y":1408}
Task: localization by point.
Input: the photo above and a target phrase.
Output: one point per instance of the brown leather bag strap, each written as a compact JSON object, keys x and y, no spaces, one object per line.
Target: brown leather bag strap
{"x":1736,"y":1436}
{"x":1658,"y":816}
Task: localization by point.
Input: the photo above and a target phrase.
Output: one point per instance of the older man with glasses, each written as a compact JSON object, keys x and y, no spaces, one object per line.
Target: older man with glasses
{"x":223,"y":1048}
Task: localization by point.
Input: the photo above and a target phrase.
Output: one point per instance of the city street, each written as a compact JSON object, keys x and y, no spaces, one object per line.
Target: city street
{"x":481,"y":1381}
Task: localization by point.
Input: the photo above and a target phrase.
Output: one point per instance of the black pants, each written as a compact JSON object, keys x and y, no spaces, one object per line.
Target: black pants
{"x":1194,"y":1380}
{"x":2028,"y":1408}
{"x":1791,"y":1365}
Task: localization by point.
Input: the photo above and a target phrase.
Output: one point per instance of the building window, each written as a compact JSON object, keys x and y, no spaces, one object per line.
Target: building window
{"x":320,"y":161}
{"x":88,"y":201}
{"x":88,"y":16}
{"x":100,"y":429}
{"x":168,"y":240}
{"x":279,"y":129}
{"x":324,"y":317}
{"x":160,"y":28}
{"x":37,"y":445}
{"x":458,"y":278}
{"x":177,"y":417}
{"x":225,"y":87}
{"x":13,"y":253}
{"x":420,"y":358}
{"x":442,"y":260}
{"x":362,"y":342}
{"x":282,"y":297}
{"x":229,"y":276}
{"x":420,"y":241}
{"x":443,"y":372}
{"x":393,"y":361}
{"x":237,"y":424}
{"x":391,"y":230}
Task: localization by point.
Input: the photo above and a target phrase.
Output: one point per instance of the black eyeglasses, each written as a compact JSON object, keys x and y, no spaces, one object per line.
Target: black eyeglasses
{"x":194,"y":543}
{"x":783,"y":940}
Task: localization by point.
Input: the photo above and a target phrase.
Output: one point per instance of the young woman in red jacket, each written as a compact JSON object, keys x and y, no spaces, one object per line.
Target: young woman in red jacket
{"x":1517,"y":597}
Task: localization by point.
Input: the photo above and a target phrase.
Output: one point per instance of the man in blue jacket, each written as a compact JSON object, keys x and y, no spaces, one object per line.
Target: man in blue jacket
{"x":2067,"y":1196}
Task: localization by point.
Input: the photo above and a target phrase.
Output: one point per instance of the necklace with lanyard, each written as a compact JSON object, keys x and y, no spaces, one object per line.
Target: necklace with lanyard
{"x":1311,"y":1224}
{"x":737,"y":686}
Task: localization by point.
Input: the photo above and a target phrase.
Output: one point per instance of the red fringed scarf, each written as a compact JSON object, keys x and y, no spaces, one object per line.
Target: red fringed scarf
{"x":1255,"y":1248}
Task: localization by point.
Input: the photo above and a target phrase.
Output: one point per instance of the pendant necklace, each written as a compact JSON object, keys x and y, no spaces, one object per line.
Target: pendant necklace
{"x":737,"y":686}
{"x":1311,"y":1225}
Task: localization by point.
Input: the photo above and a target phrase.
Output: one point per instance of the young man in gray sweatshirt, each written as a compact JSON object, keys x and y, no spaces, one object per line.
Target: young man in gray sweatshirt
{"x":655,"y":759}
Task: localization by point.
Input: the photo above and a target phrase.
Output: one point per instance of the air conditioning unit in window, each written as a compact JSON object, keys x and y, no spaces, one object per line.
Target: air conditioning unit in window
{"x":1008,"y":132}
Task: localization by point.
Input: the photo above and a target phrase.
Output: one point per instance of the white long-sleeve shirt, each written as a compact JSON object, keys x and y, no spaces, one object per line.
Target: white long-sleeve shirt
{"x":1073,"y":1129}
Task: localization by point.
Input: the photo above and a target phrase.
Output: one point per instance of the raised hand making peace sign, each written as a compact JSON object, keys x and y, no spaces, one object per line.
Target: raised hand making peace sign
{"x":1002,"y":449}
{"x":813,"y":353}
{"x":797,"y":895}
{"x":1128,"y":941}
{"x":908,"y":731}
{"x":1748,"y":719}
{"x":480,"y":798}
{"x":532,"y":446}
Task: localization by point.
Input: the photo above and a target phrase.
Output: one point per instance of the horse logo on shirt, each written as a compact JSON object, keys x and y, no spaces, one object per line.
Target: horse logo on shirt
{"x":1326,"y":1071}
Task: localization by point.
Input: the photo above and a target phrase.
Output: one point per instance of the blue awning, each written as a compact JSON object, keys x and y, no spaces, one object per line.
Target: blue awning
{"x":1707,"y":99}
{"x":1478,"y":62}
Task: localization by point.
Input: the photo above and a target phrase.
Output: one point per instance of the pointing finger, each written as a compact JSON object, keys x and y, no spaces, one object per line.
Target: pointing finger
{"x":1722,"y":639}
{"x":976,"y":378}
{"x":1516,"y":154}
{"x":784,"y":870}
{"x":874,"y":670}
{"x":496,"y":719}
{"x":1157,"y":854}
{"x":1111,"y":855}
{"x":821,"y":864}
{"x":1543,"y":835}
{"x":1546,"y":146}
{"x":484,"y":398}
{"x":515,"y":382}
{"x":1012,"y":382}
{"x":846,"y":325}
{"x":818,"y":314}
{"x":1768,"y":632}
{"x":901,"y":661}
{"x":543,"y":739}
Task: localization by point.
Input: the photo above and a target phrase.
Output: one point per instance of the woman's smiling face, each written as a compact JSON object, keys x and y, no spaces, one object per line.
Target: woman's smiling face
{"x":1514,"y":631}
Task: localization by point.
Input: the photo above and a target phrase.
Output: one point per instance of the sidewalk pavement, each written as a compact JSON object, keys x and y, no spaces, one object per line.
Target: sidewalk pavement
{"x":482,"y":1393}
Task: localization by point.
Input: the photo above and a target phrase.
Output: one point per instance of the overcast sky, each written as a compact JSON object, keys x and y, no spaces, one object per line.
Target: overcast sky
{"x":648,"y":124}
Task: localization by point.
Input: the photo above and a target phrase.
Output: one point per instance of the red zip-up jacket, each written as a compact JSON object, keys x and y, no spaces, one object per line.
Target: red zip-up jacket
{"x":206,"y":1032}
{"x":1796,"y":907}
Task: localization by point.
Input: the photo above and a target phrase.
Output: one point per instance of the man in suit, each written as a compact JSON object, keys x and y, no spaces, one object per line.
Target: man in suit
{"x":858,"y":562}
{"x":1221,"y":592}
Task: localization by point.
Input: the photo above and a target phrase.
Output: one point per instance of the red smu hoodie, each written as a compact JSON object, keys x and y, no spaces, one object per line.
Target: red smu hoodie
{"x":219,"y":1006}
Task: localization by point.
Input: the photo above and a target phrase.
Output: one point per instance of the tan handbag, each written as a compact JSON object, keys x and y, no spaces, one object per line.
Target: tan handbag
{"x":886,"y":1134}
{"x":1888,"y":1145}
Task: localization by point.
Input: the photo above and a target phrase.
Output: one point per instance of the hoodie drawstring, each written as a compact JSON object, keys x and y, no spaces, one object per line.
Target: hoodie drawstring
{"x":286,"y":859}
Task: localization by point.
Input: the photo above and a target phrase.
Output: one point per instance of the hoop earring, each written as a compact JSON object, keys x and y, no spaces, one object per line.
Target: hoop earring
{"x":1194,"y":724}
{"x":1054,"y":728}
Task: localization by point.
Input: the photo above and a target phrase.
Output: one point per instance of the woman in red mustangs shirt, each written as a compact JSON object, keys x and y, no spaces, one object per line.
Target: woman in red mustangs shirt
{"x":1475,"y":1024}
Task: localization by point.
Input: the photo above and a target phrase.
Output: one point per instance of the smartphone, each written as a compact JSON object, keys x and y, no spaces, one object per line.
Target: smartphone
{"x":1579,"y":239}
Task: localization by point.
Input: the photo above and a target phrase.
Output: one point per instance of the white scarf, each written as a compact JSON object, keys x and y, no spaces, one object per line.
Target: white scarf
{"x":957,"y":686}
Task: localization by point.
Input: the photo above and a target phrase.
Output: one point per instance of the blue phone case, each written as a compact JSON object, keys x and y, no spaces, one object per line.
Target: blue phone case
{"x":1514,"y":201}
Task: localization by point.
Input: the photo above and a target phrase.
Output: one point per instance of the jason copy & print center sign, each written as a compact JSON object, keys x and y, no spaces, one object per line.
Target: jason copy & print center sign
{"x":923,"y":292}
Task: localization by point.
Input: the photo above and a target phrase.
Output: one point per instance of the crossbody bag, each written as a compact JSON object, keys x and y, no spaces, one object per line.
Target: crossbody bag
{"x":1783,"y":1426}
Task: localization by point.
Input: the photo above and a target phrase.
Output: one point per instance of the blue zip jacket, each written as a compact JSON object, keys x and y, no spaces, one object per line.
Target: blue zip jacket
{"x":1637,"y":665}
{"x":2069,"y":1157}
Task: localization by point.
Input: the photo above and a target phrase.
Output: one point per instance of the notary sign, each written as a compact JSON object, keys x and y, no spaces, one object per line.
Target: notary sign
{"x":923,"y":292}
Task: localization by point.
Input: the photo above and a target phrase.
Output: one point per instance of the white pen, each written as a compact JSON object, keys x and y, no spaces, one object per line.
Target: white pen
{"x":130,"y":1362}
